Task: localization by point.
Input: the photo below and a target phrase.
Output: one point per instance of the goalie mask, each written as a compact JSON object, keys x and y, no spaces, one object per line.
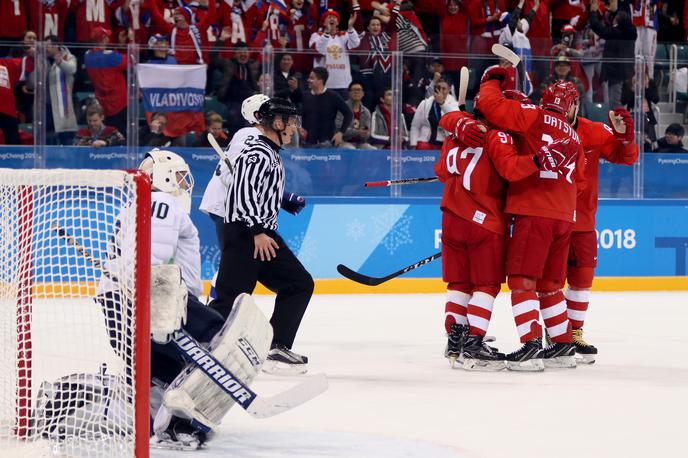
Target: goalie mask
{"x":169,"y":173}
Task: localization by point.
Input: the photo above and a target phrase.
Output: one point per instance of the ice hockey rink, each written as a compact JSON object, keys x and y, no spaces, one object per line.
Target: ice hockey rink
{"x":392,"y":394}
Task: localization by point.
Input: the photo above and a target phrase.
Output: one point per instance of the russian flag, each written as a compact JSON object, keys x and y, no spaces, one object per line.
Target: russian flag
{"x":280,"y":5}
{"x":176,"y":88}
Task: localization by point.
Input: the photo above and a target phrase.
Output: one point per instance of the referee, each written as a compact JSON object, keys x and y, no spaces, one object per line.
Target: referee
{"x":252,"y":250}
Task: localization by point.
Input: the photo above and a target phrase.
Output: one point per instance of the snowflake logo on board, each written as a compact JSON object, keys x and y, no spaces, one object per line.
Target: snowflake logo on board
{"x":398,"y":235}
{"x":305,"y":246}
{"x":355,"y":230}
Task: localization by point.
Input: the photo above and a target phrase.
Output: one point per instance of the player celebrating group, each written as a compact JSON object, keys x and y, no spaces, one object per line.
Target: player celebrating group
{"x":474,"y":165}
{"x":543,"y":207}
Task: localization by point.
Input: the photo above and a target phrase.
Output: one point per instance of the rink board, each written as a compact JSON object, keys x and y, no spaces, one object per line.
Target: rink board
{"x":379,"y":236}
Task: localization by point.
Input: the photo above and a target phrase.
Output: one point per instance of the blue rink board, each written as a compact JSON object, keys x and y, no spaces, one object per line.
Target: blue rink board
{"x":380,"y":236}
{"x":368,"y":231}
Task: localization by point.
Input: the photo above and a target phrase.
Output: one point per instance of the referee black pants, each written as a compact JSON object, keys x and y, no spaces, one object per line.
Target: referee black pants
{"x":284,"y":275}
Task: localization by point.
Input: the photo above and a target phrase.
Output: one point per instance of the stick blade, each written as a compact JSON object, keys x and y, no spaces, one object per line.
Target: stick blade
{"x":463,"y":87}
{"x":506,"y":53}
{"x":358,"y":278}
{"x":268,"y":406}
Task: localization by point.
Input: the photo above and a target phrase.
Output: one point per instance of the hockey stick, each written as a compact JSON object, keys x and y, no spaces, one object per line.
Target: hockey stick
{"x":192,"y":351}
{"x":463,"y":88}
{"x":374,"y":281}
{"x":374,"y":184}
{"x":506,"y":54}
{"x":218,"y":149}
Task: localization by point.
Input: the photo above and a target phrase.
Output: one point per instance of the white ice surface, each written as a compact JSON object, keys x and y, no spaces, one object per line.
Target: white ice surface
{"x":392,"y":394}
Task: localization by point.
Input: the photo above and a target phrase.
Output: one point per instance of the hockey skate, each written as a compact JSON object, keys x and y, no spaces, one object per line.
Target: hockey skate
{"x":282,"y":361}
{"x":478,"y":356}
{"x":586,"y":353}
{"x":560,"y":355}
{"x":452,"y":351}
{"x":179,"y":435}
{"x":528,"y":358}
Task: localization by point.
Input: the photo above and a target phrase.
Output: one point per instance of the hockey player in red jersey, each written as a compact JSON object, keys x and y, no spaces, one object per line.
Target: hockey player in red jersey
{"x":475,"y":165}
{"x":543,"y":206}
{"x":614,"y":144}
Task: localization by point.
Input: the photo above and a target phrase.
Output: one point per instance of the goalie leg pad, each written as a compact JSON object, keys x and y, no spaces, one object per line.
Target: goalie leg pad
{"x":242,"y":346}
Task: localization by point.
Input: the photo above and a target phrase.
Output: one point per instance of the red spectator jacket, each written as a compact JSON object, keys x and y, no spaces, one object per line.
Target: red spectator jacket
{"x":53,"y":18}
{"x":13,"y":19}
{"x":454,"y":37}
{"x":10,"y":71}
{"x":91,"y":14}
{"x":186,"y":47}
{"x":106,"y":69}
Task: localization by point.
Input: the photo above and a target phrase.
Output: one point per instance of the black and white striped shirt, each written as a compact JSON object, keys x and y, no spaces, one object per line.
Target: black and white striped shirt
{"x":255,"y":194}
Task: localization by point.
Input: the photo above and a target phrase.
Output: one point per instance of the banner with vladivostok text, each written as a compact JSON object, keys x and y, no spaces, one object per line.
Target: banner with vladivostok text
{"x":178,"y":88}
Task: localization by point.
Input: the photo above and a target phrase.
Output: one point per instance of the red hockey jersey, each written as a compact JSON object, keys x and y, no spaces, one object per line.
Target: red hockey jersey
{"x":13,"y":19}
{"x":548,"y":194}
{"x":475,"y":179}
{"x":50,"y":16}
{"x":598,"y":141}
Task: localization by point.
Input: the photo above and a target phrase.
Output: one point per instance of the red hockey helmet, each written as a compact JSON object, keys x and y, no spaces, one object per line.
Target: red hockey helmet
{"x":513,"y":94}
{"x":559,"y":97}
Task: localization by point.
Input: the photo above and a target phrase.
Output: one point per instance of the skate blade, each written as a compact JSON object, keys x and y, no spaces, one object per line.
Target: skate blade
{"x":279,"y":368}
{"x":531,"y":365}
{"x":477,"y":365}
{"x":561,"y":362}
{"x":585,"y":359}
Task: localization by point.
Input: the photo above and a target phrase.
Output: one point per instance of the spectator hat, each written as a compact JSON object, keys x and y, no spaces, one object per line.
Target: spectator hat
{"x":676,"y":129}
{"x":99,"y":33}
{"x":328,"y":13}
{"x":186,"y":12}
{"x":156,"y":38}
{"x":562,"y":60}
{"x":568,"y":28}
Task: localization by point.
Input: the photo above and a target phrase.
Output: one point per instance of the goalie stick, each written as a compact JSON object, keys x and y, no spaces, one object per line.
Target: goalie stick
{"x":374,"y":281}
{"x":218,"y":149}
{"x":373,"y":184}
{"x":255,"y":405}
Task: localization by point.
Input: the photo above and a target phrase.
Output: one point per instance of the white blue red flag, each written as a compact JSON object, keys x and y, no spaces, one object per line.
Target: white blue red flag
{"x":172,"y":87}
{"x":280,"y":5}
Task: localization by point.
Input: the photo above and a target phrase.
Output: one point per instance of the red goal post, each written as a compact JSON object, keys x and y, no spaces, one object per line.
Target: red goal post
{"x":74,"y":368}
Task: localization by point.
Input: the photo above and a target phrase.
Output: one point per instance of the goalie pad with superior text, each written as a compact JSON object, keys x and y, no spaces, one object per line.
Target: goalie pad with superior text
{"x":168,"y":299}
{"x":242,"y":346}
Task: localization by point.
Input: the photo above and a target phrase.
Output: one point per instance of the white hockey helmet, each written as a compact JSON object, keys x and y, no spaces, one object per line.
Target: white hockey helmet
{"x":250,"y":105}
{"x":169,"y":173}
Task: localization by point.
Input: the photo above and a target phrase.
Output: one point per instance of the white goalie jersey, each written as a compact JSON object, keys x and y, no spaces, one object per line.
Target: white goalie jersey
{"x":215,"y":194}
{"x":174,"y":240}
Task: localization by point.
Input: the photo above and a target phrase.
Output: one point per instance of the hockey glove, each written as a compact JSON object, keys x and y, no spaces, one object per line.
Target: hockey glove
{"x":621,"y":122}
{"x":470,"y":132}
{"x":293,"y":203}
{"x":495,"y":73}
{"x":556,"y":156}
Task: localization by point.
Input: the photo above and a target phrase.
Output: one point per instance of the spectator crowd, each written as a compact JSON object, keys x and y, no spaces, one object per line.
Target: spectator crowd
{"x":333,"y":58}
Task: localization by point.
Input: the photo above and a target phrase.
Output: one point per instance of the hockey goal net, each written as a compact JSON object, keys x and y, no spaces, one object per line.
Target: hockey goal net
{"x":74,"y":323}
